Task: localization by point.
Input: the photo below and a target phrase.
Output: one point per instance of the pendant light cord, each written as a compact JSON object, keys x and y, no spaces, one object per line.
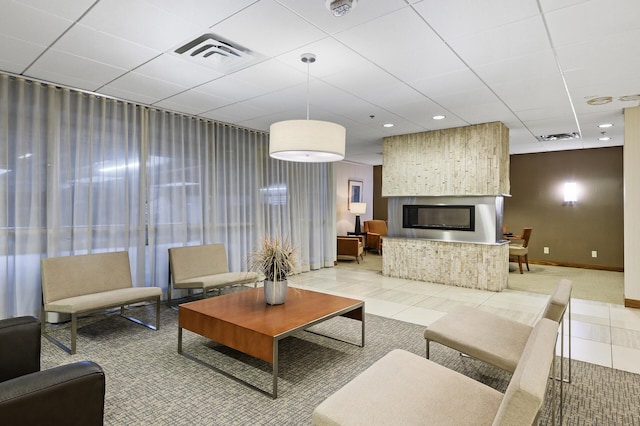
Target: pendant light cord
{"x":307,"y":90}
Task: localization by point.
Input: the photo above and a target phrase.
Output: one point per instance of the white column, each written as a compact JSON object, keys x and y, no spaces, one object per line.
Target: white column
{"x":631,"y":206}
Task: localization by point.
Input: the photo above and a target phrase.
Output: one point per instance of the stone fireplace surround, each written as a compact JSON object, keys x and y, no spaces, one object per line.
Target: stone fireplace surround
{"x":457,"y":166}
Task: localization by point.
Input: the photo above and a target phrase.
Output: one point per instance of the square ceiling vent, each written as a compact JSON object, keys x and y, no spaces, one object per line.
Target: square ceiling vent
{"x":217,"y":53}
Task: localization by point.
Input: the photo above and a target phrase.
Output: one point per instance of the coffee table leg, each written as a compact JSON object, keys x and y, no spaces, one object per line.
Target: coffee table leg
{"x":179,"y":340}
{"x":275,"y":369}
{"x":362,"y":345}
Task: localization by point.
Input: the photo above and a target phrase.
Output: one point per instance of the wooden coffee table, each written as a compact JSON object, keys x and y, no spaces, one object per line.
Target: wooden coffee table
{"x":243,"y":321}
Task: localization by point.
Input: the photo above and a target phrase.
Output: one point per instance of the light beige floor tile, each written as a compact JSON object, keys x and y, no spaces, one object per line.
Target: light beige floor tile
{"x":587,"y":331}
{"x":626,"y":359}
{"x":383,"y":308}
{"x":626,"y":338}
{"x":442,"y":304}
{"x":590,"y":351}
{"x":419,"y":287}
{"x":419,"y":316}
{"x":622,"y":317}
{"x":522,"y":316}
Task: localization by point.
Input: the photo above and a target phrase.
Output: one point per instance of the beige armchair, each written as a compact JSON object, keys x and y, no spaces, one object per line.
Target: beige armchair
{"x":375,"y":229}
{"x":520,"y":252}
{"x":350,"y":248}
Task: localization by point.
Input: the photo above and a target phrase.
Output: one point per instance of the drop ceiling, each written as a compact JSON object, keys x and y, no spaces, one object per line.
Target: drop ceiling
{"x":533,"y":65}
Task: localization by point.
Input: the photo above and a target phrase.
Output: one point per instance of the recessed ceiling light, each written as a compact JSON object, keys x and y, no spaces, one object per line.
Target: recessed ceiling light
{"x":605,"y":125}
{"x":438,"y":117}
{"x":604,"y":138}
{"x":387,"y":125}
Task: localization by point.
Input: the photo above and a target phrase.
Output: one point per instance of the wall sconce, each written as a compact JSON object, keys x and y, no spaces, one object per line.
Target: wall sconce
{"x":570,"y":193}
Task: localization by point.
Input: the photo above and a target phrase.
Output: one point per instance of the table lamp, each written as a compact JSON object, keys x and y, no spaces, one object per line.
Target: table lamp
{"x":358,"y":209}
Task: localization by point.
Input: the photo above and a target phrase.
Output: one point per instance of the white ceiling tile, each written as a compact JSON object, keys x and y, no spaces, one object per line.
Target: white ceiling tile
{"x":128,"y":96}
{"x":520,"y":38}
{"x":16,"y":55}
{"x":140,"y":22}
{"x":459,"y":81}
{"x":270,"y":39}
{"x":549,"y":5}
{"x":232,"y":88}
{"x":193,"y":102}
{"x":414,"y":51}
{"x":479,"y":96}
{"x":67,"y":9}
{"x":528,"y":94}
{"x":235,"y":113}
{"x":592,"y":20}
{"x":26,"y":23}
{"x":146,"y":86}
{"x":316,"y":13}
{"x":271,"y":75}
{"x":518,"y":68}
{"x":102,"y":47}
{"x":177,"y":71}
{"x":606,"y":51}
{"x":477,"y":113}
{"x":332,"y":58}
{"x":203,"y":13}
{"x":452,"y":19}
{"x":73,"y":71}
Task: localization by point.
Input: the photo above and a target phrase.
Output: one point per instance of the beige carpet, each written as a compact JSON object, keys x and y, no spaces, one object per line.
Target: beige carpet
{"x":588,"y":284}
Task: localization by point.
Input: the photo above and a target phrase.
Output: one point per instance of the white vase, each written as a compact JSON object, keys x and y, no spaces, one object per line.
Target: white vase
{"x":275,"y":292}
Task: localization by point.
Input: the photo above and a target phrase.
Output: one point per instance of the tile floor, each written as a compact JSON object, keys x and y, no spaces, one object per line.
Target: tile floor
{"x":602,"y":333}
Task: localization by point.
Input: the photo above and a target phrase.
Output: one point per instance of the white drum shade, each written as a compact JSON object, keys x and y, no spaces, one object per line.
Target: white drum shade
{"x":307,"y":141}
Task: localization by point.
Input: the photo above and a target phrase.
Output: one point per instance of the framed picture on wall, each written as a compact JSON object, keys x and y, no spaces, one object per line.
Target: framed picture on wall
{"x":355,"y":192}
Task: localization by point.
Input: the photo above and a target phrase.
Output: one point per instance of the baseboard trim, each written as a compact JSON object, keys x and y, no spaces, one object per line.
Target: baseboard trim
{"x":578,"y":265}
{"x":632,"y":303}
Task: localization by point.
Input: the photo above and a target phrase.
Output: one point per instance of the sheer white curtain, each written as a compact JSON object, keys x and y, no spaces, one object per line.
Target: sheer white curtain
{"x":258,"y":196}
{"x":84,"y":174}
{"x":69,"y":184}
{"x":180,"y":185}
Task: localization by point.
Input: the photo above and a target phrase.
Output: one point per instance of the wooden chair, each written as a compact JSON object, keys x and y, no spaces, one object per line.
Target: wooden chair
{"x":520,"y":252}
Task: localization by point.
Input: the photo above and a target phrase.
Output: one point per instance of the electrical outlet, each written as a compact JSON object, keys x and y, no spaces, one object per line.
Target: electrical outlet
{"x":594,"y":253}
{"x":546,"y":250}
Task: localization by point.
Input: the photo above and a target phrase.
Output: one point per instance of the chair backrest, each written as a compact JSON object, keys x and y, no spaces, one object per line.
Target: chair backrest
{"x":526,"y":234}
{"x":524,"y":396}
{"x":558,"y":302}
{"x":197,"y":261}
{"x":70,"y":276}
{"x":376,"y":226}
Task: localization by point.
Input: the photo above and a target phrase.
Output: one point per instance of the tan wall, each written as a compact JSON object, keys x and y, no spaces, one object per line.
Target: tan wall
{"x":595,"y":222}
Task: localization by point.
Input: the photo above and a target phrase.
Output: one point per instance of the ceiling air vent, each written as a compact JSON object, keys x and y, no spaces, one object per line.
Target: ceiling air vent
{"x":215,"y":52}
{"x":558,"y":137}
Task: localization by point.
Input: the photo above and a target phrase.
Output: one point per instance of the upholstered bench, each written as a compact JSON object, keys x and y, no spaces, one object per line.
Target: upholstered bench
{"x":402,"y":388}
{"x":489,"y":337}
{"x":204,"y":268}
{"x":82,"y":284}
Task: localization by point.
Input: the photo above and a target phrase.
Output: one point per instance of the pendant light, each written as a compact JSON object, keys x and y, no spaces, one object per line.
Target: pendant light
{"x":307,"y":141}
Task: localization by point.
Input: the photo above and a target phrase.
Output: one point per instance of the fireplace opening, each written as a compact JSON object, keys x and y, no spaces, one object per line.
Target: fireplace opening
{"x":445,"y":217}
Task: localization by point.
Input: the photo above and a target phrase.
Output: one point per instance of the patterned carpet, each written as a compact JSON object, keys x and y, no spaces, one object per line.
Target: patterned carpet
{"x":149,"y":383}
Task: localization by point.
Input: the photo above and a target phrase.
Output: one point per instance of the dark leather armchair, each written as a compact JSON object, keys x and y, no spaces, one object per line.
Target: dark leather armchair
{"x":71,"y":394}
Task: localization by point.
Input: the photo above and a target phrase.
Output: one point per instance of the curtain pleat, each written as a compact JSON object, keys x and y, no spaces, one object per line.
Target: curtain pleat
{"x":85,"y":174}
